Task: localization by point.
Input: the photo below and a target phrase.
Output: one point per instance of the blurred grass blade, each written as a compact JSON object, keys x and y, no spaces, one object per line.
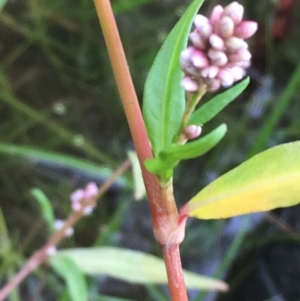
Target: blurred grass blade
{"x":217,"y":104}
{"x":139,"y":187}
{"x":132,"y":266}
{"x":164,"y":98}
{"x":2,"y":4}
{"x":7,"y":95}
{"x":122,"y":6}
{"x":60,"y":160}
{"x":73,"y":276}
{"x":45,"y":205}
{"x":267,"y":181}
{"x":4,"y":236}
{"x":195,"y":148}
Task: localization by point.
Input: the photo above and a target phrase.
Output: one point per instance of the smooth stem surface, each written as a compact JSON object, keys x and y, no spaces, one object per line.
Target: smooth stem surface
{"x":176,"y":282}
{"x":162,"y":204}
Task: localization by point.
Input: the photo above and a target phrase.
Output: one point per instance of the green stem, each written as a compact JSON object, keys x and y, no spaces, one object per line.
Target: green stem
{"x":192,"y":101}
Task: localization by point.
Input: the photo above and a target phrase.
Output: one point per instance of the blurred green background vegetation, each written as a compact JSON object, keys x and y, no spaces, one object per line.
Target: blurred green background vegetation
{"x":58,"y":94}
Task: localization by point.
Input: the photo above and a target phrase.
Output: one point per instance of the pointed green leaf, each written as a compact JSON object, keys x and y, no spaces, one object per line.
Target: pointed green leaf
{"x":45,"y":205}
{"x":195,"y":148}
{"x":75,"y":279}
{"x":217,"y":104}
{"x":266,"y":181}
{"x":132,"y":266}
{"x":164,"y":98}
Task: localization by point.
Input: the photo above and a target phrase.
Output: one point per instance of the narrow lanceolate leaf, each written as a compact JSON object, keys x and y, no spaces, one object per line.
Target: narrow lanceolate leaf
{"x":164,"y":99}
{"x":196,"y":148}
{"x":132,"y":266}
{"x":45,"y":205}
{"x":169,"y":157}
{"x":58,"y":160}
{"x":73,"y":276}
{"x":217,"y":104}
{"x":267,"y":181}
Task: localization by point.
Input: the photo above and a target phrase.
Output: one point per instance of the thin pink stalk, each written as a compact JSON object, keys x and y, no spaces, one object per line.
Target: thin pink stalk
{"x":41,"y":255}
{"x":162,"y":204}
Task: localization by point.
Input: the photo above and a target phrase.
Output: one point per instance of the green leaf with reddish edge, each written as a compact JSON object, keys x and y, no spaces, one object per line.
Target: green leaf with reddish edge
{"x":217,"y":104}
{"x":75,"y":279}
{"x":132,"y":266}
{"x":267,"y":181}
{"x":164,"y":98}
{"x":195,"y":148}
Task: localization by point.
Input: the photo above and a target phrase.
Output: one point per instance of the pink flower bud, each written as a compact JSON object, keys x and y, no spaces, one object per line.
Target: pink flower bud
{"x":77,"y":196}
{"x":234,"y":44}
{"x":205,"y":31}
{"x":216,"y":42}
{"x":218,"y":57}
{"x":226,"y":27}
{"x":186,"y":54}
{"x":197,"y":40}
{"x":189,"y":84}
{"x":245,"y":29}
{"x":88,"y":210}
{"x":200,"y":21}
{"x":240,"y":55}
{"x":192,"y":131}
{"x":216,"y":14}
{"x":76,"y":206}
{"x":225,"y":77}
{"x":210,"y":71}
{"x":91,"y":190}
{"x":237,"y":73}
{"x":58,"y":224}
{"x":199,"y":59}
{"x":235,"y":12}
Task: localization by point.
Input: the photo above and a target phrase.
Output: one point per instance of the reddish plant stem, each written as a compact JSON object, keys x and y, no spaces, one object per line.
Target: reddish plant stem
{"x":175,"y":276}
{"x":162,"y":204}
{"x":42,"y":254}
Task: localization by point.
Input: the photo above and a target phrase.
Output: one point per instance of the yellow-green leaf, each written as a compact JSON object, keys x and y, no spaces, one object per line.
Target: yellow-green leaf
{"x":132,"y":266}
{"x":267,"y":181}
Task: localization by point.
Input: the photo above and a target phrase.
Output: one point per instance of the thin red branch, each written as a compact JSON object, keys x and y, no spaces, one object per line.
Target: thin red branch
{"x":41,"y":255}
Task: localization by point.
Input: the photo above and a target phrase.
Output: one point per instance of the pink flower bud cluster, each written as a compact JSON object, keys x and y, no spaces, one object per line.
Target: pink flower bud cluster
{"x":80,"y":196}
{"x":218,"y":55}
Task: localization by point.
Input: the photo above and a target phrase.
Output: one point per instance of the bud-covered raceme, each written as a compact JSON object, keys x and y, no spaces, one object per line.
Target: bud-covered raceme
{"x":218,"y":54}
{"x":79,"y":196}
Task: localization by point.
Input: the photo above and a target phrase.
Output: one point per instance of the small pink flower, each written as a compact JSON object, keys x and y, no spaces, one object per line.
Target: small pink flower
{"x":192,"y":131}
{"x":189,"y":84}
